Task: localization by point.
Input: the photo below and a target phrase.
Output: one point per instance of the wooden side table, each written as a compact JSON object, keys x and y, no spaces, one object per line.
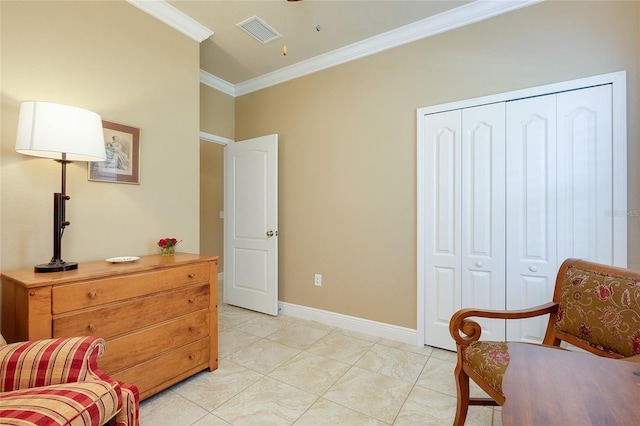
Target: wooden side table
{"x":547,"y":386}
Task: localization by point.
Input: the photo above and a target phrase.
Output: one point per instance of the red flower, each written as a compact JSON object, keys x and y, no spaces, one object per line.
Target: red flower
{"x":168,"y":242}
{"x":603,"y":292}
{"x":577,"y":281}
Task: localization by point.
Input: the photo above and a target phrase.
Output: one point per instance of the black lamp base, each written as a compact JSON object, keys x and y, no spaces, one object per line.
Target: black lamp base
{"x":56,"y":266}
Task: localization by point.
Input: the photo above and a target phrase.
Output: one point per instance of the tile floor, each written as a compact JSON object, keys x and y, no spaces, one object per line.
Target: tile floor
{"x":289,"y":371}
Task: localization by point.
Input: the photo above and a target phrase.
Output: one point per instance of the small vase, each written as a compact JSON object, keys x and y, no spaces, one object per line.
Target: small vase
{"x":168,"y":251}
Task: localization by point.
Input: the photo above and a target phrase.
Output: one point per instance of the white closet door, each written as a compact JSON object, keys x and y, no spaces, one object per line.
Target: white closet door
{"x":564,"y":195}
{"x":483,"y":213}
{"x":585,"y":175}
{"x":531,"y":210}
{"x":442,"y":239}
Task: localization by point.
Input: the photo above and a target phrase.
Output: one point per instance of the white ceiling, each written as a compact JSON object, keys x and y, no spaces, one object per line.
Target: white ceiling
{"x":317,"y":33}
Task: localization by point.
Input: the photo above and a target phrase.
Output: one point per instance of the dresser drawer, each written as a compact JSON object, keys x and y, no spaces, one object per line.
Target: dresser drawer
{"x":70,"y":297}
{"x":166,"y":367}
{"x":124,"y":317}
{"x":134,"y":348}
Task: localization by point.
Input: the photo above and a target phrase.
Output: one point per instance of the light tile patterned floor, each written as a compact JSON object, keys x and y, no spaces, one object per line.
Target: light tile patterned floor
{"x":284,"y":371}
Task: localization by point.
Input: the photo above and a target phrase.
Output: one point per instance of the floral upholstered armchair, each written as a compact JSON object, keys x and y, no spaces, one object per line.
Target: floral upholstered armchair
{"x":57,"y":382}
{"x":595,"y":308}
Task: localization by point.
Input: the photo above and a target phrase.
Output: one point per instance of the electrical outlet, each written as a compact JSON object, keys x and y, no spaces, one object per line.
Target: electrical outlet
{"x":318,"y":280}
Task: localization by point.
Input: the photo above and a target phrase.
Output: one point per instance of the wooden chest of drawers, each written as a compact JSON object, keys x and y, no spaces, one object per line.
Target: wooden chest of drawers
{"x":158,"y":315}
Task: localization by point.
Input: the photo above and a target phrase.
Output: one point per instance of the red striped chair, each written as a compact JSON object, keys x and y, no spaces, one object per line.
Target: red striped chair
{"x":58,"y":382}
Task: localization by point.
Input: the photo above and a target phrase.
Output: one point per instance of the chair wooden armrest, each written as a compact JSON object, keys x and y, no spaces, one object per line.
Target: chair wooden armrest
{"x":464,"y":331}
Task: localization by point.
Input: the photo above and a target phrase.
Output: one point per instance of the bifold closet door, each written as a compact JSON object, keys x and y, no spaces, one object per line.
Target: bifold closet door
{"x":508,"y":191}
{"x":559,"y":194}
{"x":464,"y":218}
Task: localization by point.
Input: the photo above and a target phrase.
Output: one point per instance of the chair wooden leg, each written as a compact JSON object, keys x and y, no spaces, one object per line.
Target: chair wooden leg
{"x":462,"y":385}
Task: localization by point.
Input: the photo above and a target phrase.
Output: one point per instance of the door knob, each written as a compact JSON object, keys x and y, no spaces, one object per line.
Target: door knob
{"x":270,"y":234}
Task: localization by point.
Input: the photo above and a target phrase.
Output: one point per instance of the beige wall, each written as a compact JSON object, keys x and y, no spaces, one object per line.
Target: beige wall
{"x":212,"y":200}
{"x":109,"y":57}
{"x":217,"y":117}
{"x":217,"y":112}
{"x":348,"y":143}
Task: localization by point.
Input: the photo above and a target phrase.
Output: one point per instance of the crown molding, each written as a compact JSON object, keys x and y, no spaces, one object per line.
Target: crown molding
{"x":217,"y":83}
{"x":446,"y":21}
{"x":173,"y":17}
{"x":470,"y":13}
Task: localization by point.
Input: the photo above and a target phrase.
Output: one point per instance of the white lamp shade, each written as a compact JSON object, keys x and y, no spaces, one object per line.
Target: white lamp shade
{"x":50,"y":130}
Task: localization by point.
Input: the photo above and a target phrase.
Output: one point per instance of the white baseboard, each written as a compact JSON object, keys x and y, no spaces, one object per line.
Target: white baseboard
{"x":374,"y":328}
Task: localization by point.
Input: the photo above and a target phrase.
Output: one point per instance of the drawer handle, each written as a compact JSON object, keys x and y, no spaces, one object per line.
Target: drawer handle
{"x":192,"y":300}
{"x":92,"y":295}
{"x":192,"y":357}
{"x":92,"y":327}
{"x":190,"y":328}
{"x":32,"y":293}
{"x":192,"y":275}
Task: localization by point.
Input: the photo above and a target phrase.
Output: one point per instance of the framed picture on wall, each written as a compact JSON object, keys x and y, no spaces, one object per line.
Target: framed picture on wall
{"x":122,"y":146}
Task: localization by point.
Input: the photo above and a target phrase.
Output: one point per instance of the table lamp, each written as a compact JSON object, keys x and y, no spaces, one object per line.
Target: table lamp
{"x":65,"y":134}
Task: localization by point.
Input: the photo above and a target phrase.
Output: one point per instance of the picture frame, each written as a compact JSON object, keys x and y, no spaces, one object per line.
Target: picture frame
{"x":122,"y":165}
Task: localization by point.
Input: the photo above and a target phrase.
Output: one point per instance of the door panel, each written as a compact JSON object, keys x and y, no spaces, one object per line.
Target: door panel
{"x":442,"y":225}
{"x":251,"y":224}
{"x":585,"y":175}
{"x":532,"y":290}
{"x":531,"y":210}
{"x":483,"y":213}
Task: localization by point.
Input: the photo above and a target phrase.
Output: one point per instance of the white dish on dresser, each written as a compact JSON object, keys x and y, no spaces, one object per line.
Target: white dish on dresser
{"x":122,"y":259}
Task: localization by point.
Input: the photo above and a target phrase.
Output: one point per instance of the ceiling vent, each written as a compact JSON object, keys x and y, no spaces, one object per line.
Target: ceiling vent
{"x":259,"y":30}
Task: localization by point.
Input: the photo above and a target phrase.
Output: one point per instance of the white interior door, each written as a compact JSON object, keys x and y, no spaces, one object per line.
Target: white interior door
{"x":251,"y":224}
